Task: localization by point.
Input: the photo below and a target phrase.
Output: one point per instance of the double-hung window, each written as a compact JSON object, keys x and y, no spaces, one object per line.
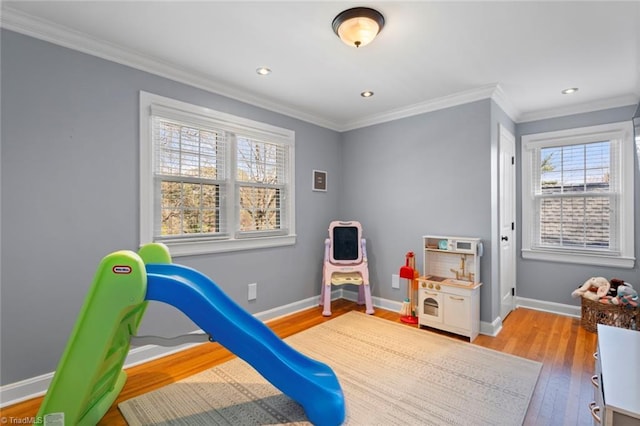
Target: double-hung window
{"x":577,"y":195}
{"x":212,"y":182}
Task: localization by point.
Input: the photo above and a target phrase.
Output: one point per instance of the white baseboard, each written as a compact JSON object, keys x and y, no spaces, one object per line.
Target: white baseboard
{"x":551,"y":307}
{"x":23,"y":390}
{"x":378,"y":302}
{"x":488,"y":328}
{"x":491,"y":328}
{"x":33,"y":387}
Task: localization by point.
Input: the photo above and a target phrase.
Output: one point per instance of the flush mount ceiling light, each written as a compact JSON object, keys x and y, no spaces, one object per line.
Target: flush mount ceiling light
{"x":358,"y":26}
{"x":569,"y":90}
{"x":366,"y":94}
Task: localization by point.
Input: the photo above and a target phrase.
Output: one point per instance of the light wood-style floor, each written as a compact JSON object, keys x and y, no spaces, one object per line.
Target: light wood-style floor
{"x":561,"y":395}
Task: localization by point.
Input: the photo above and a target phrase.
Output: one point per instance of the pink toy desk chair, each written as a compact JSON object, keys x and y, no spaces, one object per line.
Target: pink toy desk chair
{"x":345,"y":262}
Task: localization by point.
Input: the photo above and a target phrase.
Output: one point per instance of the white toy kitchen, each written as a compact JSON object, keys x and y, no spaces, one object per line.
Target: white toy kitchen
{"x":449,"y":289}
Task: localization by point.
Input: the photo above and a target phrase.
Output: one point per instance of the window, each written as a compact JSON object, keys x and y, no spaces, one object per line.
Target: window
{"x":577,"y":195}
{"x":212,"y":182}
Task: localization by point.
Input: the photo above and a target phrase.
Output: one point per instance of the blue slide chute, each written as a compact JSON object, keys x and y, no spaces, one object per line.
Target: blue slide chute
{"x":311,"y":383}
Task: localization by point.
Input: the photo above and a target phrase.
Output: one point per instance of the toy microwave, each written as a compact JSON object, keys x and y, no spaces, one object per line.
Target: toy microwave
{"x":461,"y":245}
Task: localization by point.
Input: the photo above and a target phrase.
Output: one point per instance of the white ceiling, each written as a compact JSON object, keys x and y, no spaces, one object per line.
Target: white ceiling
{"x":429,"y":54}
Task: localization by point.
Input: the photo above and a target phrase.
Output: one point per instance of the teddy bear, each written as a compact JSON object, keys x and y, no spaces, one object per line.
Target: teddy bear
{"x":594,"y":288}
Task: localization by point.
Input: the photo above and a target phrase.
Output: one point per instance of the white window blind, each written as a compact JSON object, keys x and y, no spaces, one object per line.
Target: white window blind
{"x":189,"y":177}
{"x":577,"y":191}
{"x":261,"y":181}
{"x":211,"y":181}
{"x":577,"y":196}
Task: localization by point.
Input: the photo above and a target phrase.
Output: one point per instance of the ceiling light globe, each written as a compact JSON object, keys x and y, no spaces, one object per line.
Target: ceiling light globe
{"x":358,"y":26}
{"x":358,"y":31}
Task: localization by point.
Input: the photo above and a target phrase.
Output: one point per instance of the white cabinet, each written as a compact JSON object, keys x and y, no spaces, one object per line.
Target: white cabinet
{"x":457,"y":310}
{"x":617,"y":379}
{"x":449,"y":307}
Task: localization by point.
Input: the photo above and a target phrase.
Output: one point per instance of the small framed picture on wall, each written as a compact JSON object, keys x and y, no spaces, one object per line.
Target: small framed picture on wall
{"x":319,"y":180}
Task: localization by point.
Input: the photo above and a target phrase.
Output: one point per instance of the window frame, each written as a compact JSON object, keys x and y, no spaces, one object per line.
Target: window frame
{"x":624,"y":151}
{"x":235,"y":126}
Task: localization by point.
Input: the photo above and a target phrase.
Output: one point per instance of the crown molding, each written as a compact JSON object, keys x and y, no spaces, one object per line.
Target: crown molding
{"x":460,"y":98}
{"x":503,"y":101}
{"x":29,"y":25}
{"x":597,"y":105}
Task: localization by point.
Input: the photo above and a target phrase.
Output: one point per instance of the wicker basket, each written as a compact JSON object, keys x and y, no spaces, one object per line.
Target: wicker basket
{"x":594,"y":313}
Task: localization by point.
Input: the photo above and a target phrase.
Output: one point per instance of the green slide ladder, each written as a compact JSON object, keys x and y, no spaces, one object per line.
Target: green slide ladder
{"x":89,"y":376}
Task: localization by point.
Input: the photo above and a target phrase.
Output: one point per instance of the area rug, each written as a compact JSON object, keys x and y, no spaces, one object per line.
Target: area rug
{"x":391,"y":374}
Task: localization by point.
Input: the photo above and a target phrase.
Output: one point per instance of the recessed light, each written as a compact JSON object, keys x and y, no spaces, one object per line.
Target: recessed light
{"x":569,"y":90}
{"x":366,"y":94}
{"x":263,"y":70}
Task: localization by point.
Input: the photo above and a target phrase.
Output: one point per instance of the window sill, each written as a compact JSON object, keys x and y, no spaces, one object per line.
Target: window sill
{"x":579,"y":258}
{"x":192,"y":248}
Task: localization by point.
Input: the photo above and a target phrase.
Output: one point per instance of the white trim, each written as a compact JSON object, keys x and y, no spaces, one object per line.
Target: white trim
{"x":33,"y":387}
{"x":492,"y":328}
{"x":378,"y":302}
{"x":597,"y":105}
{"x":502,"y":100}
{"x":23,"y":390}
{"x":145,"y":145}
{"x":151,"y":104}
{"x":551,"y":307}
{"x":622,"y":131}
{"x":23,"y":23}
{"x":291,"y":308}
{"x":488,"y":328}
{"x":455,"y":99}
{"x":26,"y":24}
{"x":178,"y":249}
{"x":579,"y":258}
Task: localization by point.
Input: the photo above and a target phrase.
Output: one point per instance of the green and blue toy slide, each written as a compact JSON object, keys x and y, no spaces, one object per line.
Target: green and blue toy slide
{"x":90,"y":376}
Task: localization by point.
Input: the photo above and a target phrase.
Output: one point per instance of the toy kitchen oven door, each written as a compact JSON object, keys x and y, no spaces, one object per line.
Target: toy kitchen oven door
{"x":430,"y":304}
{"x":449,"y":290}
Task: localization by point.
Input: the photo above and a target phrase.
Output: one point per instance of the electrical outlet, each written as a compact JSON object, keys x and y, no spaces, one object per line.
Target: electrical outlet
{"x":395,"y":281}
{"x":253,"y":291}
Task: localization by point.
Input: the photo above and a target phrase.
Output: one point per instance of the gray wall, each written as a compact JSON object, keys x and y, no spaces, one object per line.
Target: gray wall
{"x":554,"y":282}
{"x":69,"y":169}
{"x":70,"y":196}
{"x":424,"y":175}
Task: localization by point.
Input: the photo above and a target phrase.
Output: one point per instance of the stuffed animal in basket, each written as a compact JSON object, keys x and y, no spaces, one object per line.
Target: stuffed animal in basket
{"x":627,"y":296}
{"x":594,"y":288}
{"x":615,"y":283}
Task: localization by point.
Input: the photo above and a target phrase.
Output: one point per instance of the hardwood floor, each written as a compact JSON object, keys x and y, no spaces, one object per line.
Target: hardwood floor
{"x":561,"y":395}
